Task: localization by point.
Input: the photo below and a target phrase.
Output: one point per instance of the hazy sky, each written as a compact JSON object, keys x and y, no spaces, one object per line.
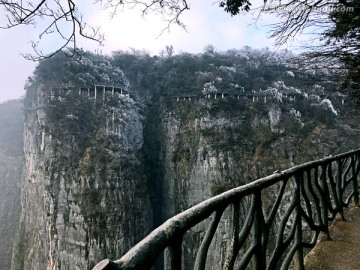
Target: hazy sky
{"x":206,"y":24}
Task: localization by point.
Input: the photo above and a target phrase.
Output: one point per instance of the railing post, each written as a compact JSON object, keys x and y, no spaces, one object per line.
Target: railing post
{"x":299,"y":255}
{"x":336,"y":196}
{"x":200,"y":261}
{"x":355,"y":181}
{"x":339,"y":191}
{"x":317,"y":193}
{"x":324,"y":200}
{"x":260,"y":256}
{"x":175,"y":254}
{"x":234,"y":246}
{"x":104,"y":95}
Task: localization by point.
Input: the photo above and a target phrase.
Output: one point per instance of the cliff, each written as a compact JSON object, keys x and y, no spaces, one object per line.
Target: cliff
{"x":210,"y":146}
{"x":11,"y":169}
{"x":84,"y":193}
{"x":113,"y":146}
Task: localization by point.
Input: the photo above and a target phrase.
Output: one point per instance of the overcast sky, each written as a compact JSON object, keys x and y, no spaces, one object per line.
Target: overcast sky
{"x":206,"y":24}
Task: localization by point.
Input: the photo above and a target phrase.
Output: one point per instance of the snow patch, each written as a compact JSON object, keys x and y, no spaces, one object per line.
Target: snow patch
{"x":327,"y":103}
{"x":227,"y":69}
{"x":71,"y":116}
{"x":209,"y":87}
{"x":296,"y":113}
{"x":290,"y":73}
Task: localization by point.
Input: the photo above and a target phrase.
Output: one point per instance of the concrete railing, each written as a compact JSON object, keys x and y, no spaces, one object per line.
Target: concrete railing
{"x":95,"y":91}
{"x":309,"y":196}
{"x":264,"y":97}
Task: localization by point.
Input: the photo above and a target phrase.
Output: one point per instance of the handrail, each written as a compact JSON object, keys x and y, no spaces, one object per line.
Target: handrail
{"x":308,"y":197}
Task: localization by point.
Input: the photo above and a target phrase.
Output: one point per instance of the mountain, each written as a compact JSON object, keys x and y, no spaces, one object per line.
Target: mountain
{"x":11,"y":169}
{"x":114,"y":145}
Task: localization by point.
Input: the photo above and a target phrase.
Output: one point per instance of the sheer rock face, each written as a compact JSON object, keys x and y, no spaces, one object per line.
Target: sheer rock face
{"x":86,"y":191}
{"x":98,"y":174}
{"x":11,"y":168}
{"x":10,"y":178}
{"x":84,"y":195}
{"x":210,"y":146}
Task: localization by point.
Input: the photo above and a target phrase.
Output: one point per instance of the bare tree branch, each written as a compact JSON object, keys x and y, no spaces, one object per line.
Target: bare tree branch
{"x":58,"y":16}
{"x":62,"y":15}
{"x":170,"y":10}
{"x":296,"y":17}
{"x":335,"y":26}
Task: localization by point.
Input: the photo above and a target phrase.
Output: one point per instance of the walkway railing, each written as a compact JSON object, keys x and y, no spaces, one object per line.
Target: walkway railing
{"x":276,"y":227}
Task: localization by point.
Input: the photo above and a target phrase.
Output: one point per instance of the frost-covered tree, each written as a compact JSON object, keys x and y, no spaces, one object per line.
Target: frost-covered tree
{"x":336,"y":21}
{"x":88,"y":71}
{"x":64,"y":19}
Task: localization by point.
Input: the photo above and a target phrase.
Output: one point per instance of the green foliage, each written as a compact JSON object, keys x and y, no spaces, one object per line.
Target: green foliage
{"x":91,"y":69}
{"x":185,"y":74}
{"x":228,"y":105}
{"x":265,"y":137}
{"x":72,"y":120}
{"x":139,"y":68}
{"x":342,"y":40}
{"x":235,"y":6}
{"x":91,"y":199}
{"x":182,"y":155}
{"x":234,"y":71}
{"x":346,"y":27}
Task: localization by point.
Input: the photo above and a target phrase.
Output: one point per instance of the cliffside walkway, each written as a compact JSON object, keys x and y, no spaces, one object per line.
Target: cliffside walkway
{"x":272,"y":223}
{"x":342,"y":252}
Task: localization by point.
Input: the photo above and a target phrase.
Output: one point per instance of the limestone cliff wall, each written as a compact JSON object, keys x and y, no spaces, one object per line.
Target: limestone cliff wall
{"x":98,"y":174}
{"x":101,"y":169}
{"x":109,"y":156}
{"x":11,"y":171}
{"x":84,"y":195}
{"x":210,"y":146}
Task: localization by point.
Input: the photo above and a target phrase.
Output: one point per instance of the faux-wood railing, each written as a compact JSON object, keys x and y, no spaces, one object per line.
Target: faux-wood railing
{"x":274,"y":231}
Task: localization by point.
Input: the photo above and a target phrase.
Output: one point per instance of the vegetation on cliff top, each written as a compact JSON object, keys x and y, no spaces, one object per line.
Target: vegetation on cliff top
{"x":244,"y":71}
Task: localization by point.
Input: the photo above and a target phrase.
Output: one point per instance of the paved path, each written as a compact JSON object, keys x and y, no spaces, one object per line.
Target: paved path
{"x":343,"y":251}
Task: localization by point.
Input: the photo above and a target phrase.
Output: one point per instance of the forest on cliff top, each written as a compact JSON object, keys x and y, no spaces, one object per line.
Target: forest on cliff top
{"x":168,"y":74}
{"x":236,"y":71}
